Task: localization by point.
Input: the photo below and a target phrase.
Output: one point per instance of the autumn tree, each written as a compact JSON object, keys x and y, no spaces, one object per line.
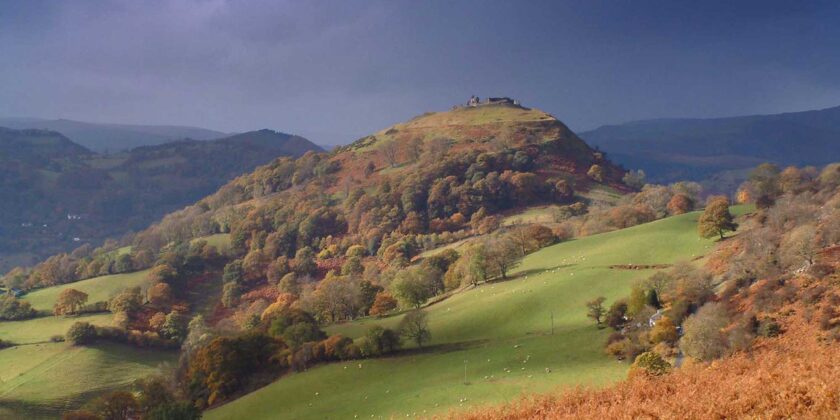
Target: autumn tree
{"x":80,"y":333}
{"x":637,"y":300}
{"x":664,"y":331}
{"x":370,"y":168}
{"x":563,"y":191}
{"x":352,"y":267}
{"x":175,"y":326}
{"x":502,"y":255}
{"x":680,"y":204}
{"x":595,"y":309}
{"x":382,"y":304}
{"x":650,"y":363}
{"x":634,"y":179}
{"x":277,"y":269}
{"x":596,"y":172}
{"x":415,"y":285}
{"x":289,"y":284}
{"x":304,"y":262}
{"x":379,"y":341}
{"x":128,"y":301}
{"x":69,"y":302}
{"x":704,"y":338}
{"x":336,"y":298}
{"x":764,"y":184}
{"x":615,"y":317}
{"x":117,"y":405}
{"x":413,"y":148}
{"x":800,"y":246}
{"x":230,"y":294}
{"x":160,"y":294}
{"x":415,"y":326}
{"x":390,"y":150}
{"x":716,"y":218}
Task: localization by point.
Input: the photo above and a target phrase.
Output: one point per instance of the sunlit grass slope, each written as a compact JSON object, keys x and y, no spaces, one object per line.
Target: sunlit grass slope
{"x":502,"y":330}
{"x":98,"y":289}
{"x":41,"y":380}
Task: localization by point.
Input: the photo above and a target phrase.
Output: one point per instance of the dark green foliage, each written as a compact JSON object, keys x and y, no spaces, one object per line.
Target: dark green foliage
{"x":615,"y":315}
{"x":415,"y":326}
{"x":117,"y":405}
{"x":175,"y":327}
{"x":233,"y":272}
{"x":764,"y":184}
{"x":379,"y":341}
{"x":226,"y":365}
{"x":368,"y":292}
{"x":296,"y":327}
{"x":302,"y":332}
{"x":595,"y":309}
{"x":81,"y":333}
{"x":442,"y":261}
{"x":652,"y":364}
{"x":13,"y":309}
{"x":769,"y":328}
{"x":182,"y":410}
{"x":652,"y":299}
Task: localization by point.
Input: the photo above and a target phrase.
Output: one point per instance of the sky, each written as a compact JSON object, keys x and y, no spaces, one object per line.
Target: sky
{"x":335,"y":71}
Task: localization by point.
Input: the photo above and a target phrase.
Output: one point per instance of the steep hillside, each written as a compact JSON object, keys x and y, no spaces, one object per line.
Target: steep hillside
{"x":679,"y":149}
{"x":113,"y":137}
{"x":749,"y":332}
{"x":437,"y":174}
{"x":62,"y":191}
{"x":489,"y":343}
{"x":320,"y":238}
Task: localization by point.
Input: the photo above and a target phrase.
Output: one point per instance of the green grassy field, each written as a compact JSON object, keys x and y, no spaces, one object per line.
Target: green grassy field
{"x":41,"y":380}
{"x":501,"y":331}
{"x":39,"y":330}
{"x":220,"y":240}
{"x":98,"y":289}
{"x":538,"y":214}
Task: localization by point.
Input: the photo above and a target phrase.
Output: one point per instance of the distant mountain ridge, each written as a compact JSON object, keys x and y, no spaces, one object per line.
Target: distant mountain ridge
{"x":683,"y":148}
{"x":113,"y":137}
{"x":37,"y":146}
{"x":58,"y":190}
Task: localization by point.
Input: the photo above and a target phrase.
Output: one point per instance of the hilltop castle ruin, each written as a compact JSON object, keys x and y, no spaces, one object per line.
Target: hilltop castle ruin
{"x":475,"y":101}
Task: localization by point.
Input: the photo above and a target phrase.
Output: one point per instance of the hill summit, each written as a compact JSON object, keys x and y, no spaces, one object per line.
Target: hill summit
{"x":491,"y":126}
{"x":447,"y":174}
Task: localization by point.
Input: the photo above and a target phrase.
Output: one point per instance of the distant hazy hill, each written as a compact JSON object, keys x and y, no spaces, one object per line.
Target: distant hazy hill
{"x":37,"y":146}
{"x":113,"y":137}
{"x":46,"y":179}
{"x":673,"y":149}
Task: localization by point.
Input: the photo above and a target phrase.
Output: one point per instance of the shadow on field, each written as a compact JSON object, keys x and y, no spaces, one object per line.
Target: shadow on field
{"x":17,"y":409}
{"x":442,"y":348}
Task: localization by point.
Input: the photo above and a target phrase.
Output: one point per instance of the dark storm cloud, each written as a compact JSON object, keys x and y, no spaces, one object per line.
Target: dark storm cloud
{"x":336,"y":70}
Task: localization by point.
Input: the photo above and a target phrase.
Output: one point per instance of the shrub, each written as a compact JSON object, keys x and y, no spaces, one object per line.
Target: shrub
{"x":664,"y":331}
{"x":382,"y":304}
{"x":704,"y":338}
{"x":81,"y":333}
{"x":379,"y":341}
{"x":181,"y":410}
{"x":650,"y":363}
{"x":13,"y":309}
{"x":615,"y":315}
{"x":769,"y":328}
